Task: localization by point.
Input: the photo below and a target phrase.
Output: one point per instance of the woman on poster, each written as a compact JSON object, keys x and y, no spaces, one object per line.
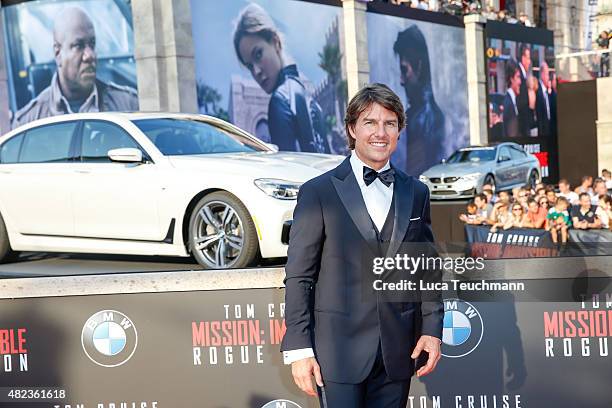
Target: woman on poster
{"x":295,"y":119}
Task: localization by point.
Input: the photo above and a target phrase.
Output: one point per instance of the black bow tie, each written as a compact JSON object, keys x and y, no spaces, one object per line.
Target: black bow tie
{"x":386,"y":177}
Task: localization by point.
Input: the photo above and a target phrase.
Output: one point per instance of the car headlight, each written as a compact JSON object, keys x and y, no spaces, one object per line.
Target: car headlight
{"x":471,"y":177}
{"x":281,"y":189}
{"x":423,"y":178}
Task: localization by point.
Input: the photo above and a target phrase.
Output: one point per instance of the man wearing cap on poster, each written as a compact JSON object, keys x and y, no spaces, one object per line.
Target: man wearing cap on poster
{"x":74,"y":87}
{"x":361,"y":351}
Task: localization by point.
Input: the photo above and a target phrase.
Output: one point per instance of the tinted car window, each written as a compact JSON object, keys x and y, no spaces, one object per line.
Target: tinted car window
{"x":472,"y":155}
{"x":9,"y":152}
{"x":100,"y":137}
{"x":183,"y":136}
{"x":504,"y":151}
{"x":516,"y":154}
{"x":47,"y":144}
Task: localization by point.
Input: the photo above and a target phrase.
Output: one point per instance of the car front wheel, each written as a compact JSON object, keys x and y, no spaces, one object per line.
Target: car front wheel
{"x":221,"y":232}
{"x":6,"y":252}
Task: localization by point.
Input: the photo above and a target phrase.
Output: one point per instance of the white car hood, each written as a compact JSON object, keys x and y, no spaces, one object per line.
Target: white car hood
{"x":291,"y":166}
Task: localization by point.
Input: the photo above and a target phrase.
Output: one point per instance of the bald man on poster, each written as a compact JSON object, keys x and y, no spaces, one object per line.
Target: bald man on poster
{"x":74,"y":86}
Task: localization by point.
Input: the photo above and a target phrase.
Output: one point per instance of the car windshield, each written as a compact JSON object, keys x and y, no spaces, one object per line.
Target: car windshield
{"x":472,"y":155}
{"x":184,"y":137}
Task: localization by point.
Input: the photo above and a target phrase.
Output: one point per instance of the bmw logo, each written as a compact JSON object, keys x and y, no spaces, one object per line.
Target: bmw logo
{"x":463,"y":328}
{"x":109,"y":338}
{"x":281,"y":403}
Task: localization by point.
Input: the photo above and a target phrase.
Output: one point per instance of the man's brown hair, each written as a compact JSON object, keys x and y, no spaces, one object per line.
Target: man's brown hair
{"x":363,"y":100}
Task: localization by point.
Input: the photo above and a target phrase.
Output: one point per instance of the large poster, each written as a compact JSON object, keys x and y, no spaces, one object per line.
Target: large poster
{"x":69,"y":56}
{"x":275,"y":69}
{"x":424,"y":63}
{"x":522,"y":88}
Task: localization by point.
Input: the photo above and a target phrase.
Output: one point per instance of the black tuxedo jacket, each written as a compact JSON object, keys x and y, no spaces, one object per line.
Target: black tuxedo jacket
{"x":324,"y":306}
{"x":544,"y":128}
{"x":510,"y":118}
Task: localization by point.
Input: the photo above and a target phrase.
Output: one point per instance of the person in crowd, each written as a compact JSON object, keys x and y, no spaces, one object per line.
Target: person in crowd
{"x":511,"y":110}
{"x":603,"y":42}
{"x":523,"y":102}
{"x":585,"y":186}
{"x":599,"y":190}
{"x":502,"y":15}
{"x":490,"y":14}
{"x":516,"y":219}
{"x":524,"y":19}
{"x":543,"y":103}
{"x":535,"y":217}
{"x":504,"y":197}
{"x":583,"y":215}
{"x":540,"y":192}
{"x":604,"y":211}
{"x":485,"y":208}
{"x":295,"y":119}
{"x":551,"y":195}
{"x":488,"y":186}
{"x":491,"y":198}
{"x":74,"y":86}
{"x":558,"y":220}
{"x":472,"y":216}
{"x":539,"y":185}
{"x":566,"y":191}
{"x":500,"y":216}
{"x":522,"y":195}
{"x":607,"y":176}
{"x":544,"y":203}
{"x":424,"y":137}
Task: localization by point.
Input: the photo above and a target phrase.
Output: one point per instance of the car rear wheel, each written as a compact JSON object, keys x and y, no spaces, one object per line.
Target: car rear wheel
{"x":6,"y":252}
{"x":221,"y":232}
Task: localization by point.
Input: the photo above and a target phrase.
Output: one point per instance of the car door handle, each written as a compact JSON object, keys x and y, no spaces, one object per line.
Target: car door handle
{"x":82,"y":171}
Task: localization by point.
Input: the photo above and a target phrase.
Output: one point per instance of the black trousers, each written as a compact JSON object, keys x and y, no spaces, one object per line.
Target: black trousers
{"x":376,"y":391}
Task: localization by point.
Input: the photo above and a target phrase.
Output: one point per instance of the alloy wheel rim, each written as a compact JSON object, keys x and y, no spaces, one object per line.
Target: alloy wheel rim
{"x":218,"y":234}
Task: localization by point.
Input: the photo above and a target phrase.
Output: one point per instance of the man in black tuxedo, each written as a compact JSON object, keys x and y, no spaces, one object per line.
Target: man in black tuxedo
{"x":513,"y":92}
{"x":544,"y":102}
{"x":525,"y":113}
{"x":361,"y":351}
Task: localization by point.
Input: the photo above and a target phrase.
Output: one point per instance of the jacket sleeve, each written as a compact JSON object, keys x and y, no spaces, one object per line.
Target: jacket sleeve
{"x":432,"y":308}
{"x":303,"y":263}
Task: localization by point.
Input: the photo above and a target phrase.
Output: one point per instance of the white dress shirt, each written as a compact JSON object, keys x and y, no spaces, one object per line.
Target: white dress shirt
{"x":545,"y":93}
{"x":377,"y":198}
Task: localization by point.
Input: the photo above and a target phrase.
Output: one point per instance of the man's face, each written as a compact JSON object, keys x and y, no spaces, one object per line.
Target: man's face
{"x":545,"y":76}
{"x":585,"y":201}
{"x":75,"y":55}
{"x":564,"y":188}
{"x":504,"y":196}
{"x":480,"y":203}
{"x":600,"y":188}
{"x":534,"y":207}
{"x":526,"y":59}
{"x":375,"y":133}
{"x":515,"y":82}
{"x":409,"y":77}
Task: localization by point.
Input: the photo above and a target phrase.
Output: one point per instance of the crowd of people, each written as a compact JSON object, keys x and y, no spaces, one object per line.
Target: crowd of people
{"x":464,"y":7}
{"x":557,"y":210}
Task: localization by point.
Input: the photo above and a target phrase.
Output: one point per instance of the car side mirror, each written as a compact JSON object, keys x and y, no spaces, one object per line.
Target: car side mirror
{"x":125,"y":155}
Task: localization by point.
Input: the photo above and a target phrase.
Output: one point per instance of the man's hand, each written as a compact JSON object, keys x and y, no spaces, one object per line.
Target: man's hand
{"x":302,"y":371}
{"x":432,"y":346}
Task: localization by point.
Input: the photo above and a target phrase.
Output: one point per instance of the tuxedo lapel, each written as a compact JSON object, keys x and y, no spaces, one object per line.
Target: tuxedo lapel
{"x":346,"y":186}
{"x":403,"y":194}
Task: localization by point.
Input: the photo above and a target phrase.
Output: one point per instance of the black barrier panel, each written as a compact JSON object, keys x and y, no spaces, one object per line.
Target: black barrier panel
{"x":219,"y":349}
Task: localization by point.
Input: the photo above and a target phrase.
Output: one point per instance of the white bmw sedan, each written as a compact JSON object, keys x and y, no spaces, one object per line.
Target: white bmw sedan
{"x":148,"y":184}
